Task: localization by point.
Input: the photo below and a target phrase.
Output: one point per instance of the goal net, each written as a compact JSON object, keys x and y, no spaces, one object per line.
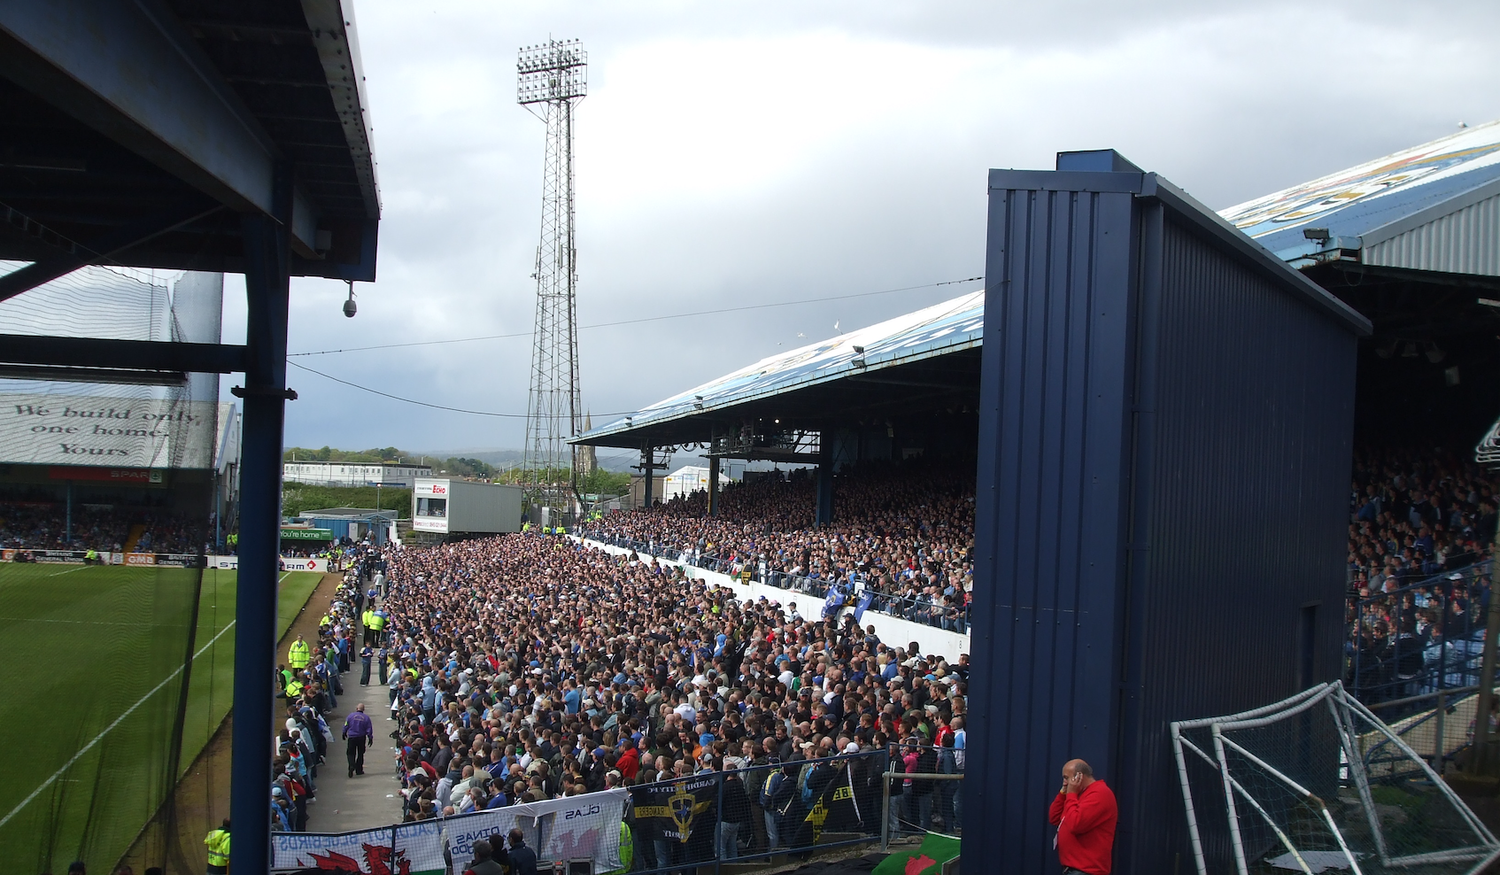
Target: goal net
{"x":1317,"y":783}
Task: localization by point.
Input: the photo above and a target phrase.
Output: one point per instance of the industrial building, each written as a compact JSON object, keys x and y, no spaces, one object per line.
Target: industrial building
{"x":353,"y":473}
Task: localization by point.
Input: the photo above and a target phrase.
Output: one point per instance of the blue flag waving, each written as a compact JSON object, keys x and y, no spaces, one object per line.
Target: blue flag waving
{"x":835,"y":601}
{"x":864,"y":604}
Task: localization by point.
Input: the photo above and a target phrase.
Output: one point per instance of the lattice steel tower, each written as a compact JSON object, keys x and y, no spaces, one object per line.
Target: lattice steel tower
{"x":551,"y":79}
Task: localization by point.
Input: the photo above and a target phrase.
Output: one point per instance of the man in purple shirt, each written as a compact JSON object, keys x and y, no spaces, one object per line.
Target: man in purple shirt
{"x":359,"y":733}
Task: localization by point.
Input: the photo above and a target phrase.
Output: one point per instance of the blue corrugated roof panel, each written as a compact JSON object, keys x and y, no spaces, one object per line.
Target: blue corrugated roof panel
{"x":942,"y":328}
{"x":1361,"y":201}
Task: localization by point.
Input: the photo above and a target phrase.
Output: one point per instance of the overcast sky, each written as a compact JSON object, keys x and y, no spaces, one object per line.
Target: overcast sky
{"x":743,"y":153}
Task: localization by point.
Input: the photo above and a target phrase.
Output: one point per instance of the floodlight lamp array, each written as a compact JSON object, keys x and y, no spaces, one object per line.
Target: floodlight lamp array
{"x":555,"y":70}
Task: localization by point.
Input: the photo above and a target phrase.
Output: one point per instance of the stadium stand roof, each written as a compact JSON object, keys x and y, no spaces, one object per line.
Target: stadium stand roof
{"x":1433,"y":207}
{"x":1388,"y":237}
{"x":920,"y":358}
{"x":134,"y":132}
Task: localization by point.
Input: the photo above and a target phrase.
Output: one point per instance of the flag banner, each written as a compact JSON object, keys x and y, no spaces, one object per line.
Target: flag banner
{"x":367,"y":852}
{"x":586,"y":827}
{"x":572,"y":828}
{"x":835,"y":811}
{"x":865,"y":599}
{"x":834,"y":603}
{"x":678,"y":811}
{"x":419,"y":846}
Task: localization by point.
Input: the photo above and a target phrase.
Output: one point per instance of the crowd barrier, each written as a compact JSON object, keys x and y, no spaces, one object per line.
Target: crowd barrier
{"x":574,"y":828}
{"x":932,"y":639}
{"x":745,"y":815}
{"x":1434,"y":637}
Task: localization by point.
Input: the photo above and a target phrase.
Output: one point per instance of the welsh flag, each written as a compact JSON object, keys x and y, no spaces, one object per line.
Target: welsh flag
{"x":926,"y":860}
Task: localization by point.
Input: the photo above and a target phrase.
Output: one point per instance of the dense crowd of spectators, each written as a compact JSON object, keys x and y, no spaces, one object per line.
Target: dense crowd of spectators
{"x":1420,"y":524}
{"x":904,"y":532}
{"x":529,"y":667}
{"x":48,"y":525}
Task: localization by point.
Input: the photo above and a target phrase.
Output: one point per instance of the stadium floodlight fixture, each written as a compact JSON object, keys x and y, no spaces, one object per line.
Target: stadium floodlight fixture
{"x":1319,"y":235}
{"x":554,"y":70}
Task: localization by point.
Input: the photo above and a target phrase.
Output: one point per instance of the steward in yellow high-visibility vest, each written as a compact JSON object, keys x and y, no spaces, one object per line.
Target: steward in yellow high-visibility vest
{"x":299,"y":654}
{"x":627,"y":850}
{"x":218,"y":850}
{"x":294,"y":688}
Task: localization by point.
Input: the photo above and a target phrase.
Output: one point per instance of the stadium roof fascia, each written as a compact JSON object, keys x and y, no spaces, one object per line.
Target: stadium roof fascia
{"x":136,"y":133}
{"x":1431,"y":207}
{"x":875,"y":353}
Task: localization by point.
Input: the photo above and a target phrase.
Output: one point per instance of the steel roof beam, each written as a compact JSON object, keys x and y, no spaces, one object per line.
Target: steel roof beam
{"x":94,"y":252}
{"x":130,"y":71}
{"x":125,"y":355}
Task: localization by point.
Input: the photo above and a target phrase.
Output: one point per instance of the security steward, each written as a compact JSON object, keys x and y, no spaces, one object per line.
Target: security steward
{"x":299,"y":654}
{"x":218,"y":849}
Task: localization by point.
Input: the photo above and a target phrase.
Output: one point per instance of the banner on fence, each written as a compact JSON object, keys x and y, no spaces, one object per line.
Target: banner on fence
{"x":835,"y":811}
{"x":420,"y":845}
{"x":677,"y":811}
{"x":583,"y":827}
{"x":368,"y":852}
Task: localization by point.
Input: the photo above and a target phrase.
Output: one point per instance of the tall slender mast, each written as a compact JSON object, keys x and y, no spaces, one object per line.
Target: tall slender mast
{"x":551,"y":78}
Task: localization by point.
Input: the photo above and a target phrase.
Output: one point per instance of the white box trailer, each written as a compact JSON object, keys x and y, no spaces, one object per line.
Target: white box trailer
{"x":464,"y":507}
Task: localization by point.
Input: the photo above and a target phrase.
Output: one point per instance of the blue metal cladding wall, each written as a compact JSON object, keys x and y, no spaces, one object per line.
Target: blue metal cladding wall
{"x":1245,"y":398}
{"x":1054,"y":422}
{"x":1163,"y":463}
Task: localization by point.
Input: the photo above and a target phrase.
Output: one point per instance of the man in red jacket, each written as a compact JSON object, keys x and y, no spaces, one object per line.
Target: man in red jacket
{"x":1084,"y":813}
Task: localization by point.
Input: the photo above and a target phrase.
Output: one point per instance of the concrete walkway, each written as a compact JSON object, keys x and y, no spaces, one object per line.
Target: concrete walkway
{"x":368,"y":800}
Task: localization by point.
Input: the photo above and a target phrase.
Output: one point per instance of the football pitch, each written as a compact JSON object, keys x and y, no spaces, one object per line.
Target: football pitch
{"x":95,"y":657}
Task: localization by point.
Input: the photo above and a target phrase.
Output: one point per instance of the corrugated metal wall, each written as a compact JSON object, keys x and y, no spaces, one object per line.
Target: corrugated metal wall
{"x":1463,"y":241}
{"x":1164,"y":460}
{"x":1242,"y":520}
{"x":1054,"y":422}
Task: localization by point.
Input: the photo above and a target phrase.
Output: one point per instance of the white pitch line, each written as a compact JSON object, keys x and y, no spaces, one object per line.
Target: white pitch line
{"x":69,"y":571}
{"x":118,"y":720}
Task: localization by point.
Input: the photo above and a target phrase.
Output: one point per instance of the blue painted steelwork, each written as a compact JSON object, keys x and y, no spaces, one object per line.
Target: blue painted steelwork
{"x":1165,"y":440}
{"x":187,"y":121}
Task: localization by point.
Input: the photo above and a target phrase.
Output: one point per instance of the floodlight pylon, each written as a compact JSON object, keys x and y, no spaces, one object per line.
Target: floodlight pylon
{"x":551,"y":79}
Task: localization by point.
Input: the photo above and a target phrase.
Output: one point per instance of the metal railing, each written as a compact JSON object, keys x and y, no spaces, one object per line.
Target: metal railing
{"x":1418,"y":639}
{"x":757,"y":813}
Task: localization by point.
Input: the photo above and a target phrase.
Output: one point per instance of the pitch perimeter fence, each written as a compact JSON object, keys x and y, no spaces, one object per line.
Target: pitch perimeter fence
{"x":678,"y":825}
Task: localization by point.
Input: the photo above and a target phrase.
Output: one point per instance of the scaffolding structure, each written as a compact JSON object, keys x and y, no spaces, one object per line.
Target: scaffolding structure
{"x":551,"y":79}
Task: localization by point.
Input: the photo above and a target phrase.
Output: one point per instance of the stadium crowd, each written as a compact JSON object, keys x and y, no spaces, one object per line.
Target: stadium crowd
{"x":903,"y":532}
{"x":529,"y":667}
{"x":48,"y":525}
{"x":1421,"y":522}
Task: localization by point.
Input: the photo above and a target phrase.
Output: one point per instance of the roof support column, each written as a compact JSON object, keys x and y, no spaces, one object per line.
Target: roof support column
{"x":648,"y":469}
{"x":825,"y":478}
{"x":713,"y":485}
{"x":266,"y":284}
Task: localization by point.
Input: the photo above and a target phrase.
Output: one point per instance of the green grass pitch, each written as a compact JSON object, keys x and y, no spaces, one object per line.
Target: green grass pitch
{"x":94,"y":657}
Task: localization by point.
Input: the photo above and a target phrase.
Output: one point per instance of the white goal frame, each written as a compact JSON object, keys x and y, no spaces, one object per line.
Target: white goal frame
{"x":1342,"y":707}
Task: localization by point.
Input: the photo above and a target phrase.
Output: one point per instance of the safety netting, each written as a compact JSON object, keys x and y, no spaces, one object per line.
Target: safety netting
{"x":111,"y":488}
